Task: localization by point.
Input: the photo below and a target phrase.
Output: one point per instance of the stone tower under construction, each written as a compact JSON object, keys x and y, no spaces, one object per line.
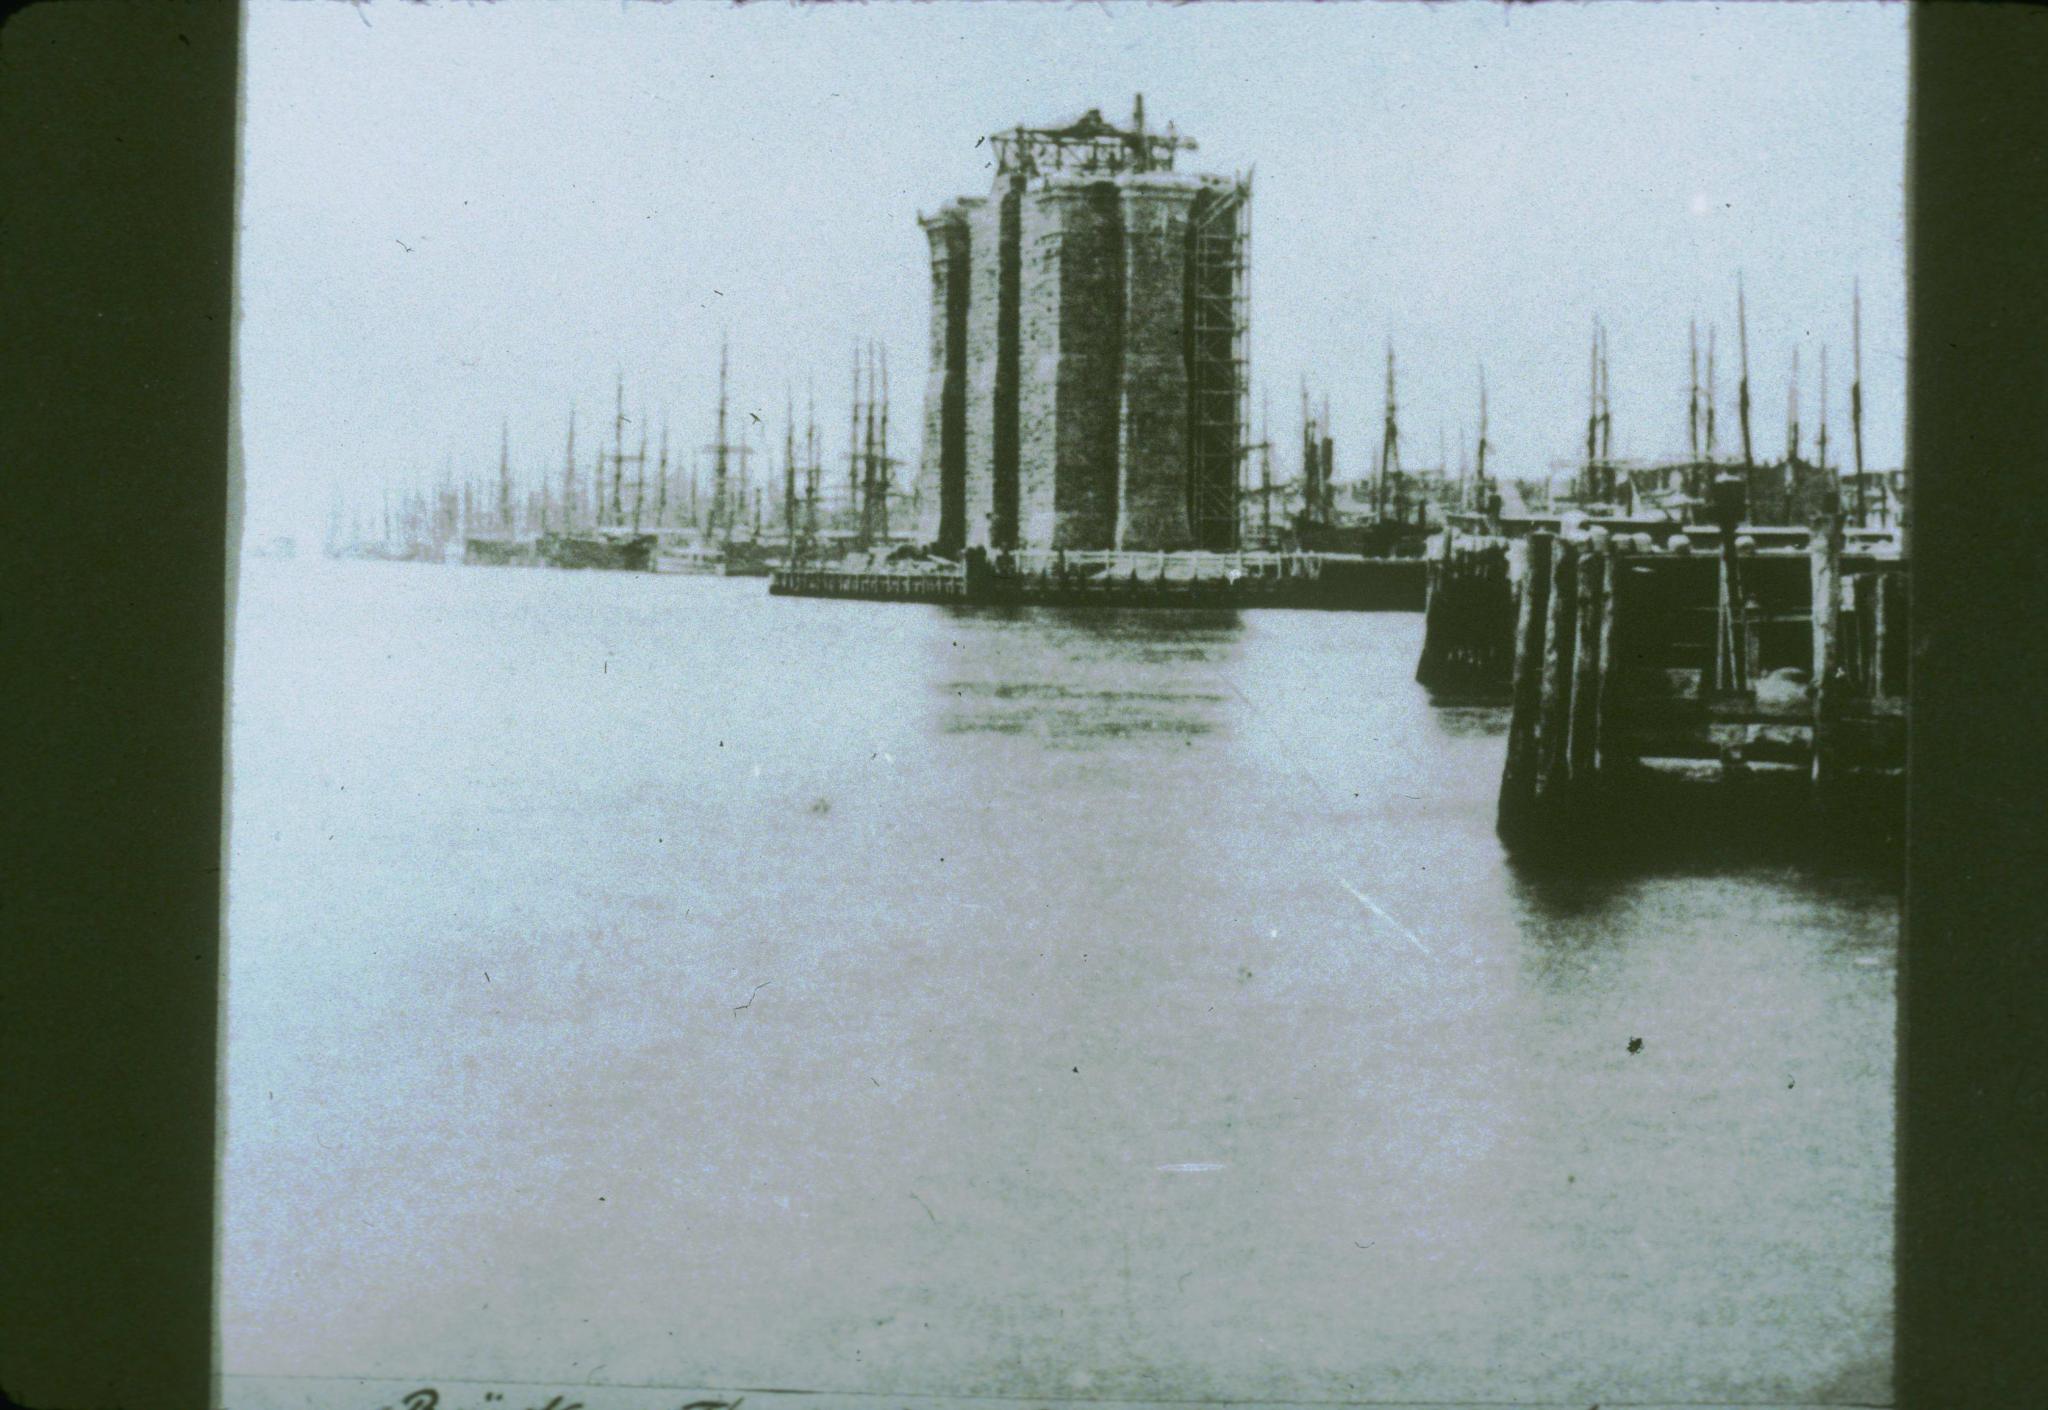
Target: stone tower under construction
{"x":1088,"y":347}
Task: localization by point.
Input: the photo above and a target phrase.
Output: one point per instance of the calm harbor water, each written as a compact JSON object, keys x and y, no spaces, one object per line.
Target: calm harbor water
{"x":641,"y":980}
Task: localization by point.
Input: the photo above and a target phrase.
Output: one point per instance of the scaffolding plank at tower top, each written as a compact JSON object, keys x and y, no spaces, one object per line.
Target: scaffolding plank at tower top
{"x":1089,"y":145}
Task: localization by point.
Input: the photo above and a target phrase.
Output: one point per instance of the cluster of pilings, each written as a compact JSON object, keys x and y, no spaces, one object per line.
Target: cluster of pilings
{"x":1468,"y":617}
{"x":1633,"y":661}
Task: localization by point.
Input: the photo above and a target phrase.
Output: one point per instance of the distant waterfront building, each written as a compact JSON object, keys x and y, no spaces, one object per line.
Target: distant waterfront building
{"x":1088,"y":385}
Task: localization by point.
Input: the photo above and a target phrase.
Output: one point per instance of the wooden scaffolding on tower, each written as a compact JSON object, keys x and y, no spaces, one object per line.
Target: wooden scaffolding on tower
{"x":1219,"y":361}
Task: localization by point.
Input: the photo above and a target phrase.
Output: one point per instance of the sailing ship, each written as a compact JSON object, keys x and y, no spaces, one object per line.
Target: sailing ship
{"x":611,"y":539}
{"x":1390,"y":513}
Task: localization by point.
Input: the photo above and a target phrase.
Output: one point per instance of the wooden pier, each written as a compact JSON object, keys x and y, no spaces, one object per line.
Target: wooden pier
{"x":1741,"y":667}
{"x":867,"y":586}
{"x":1468,"y":647}
{"x":1336,"y":582}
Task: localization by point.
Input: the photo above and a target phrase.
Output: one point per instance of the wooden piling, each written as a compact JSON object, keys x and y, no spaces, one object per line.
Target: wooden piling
{"x":1880,"y":645}
{"x":1605,"y":720}
{"x":1825,"y":558}
{"x":1530,"y":566}
{"x":1435,"y":605}
{"x":1724,"y":636}
{"x":1587,"y":664}
{"x":1469,"y":618}
{"x":1553,"y":727}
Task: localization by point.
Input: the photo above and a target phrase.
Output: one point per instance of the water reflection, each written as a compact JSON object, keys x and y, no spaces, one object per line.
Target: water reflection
{"x":1071,"y":679}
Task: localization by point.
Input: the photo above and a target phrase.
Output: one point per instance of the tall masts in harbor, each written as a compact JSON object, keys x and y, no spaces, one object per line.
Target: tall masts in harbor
{"x":1390,"y":452}
{"x":870,"y":468}
{"x":593,"y":493}
{"x":1318,"y":460}
{"x":619,"y":460}
{"x":720,"y":521}
{"x":721,"y":502}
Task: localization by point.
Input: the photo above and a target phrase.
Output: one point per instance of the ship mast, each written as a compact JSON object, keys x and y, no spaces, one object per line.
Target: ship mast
{"x":640,"y":473}
{"x":1692,"y":406}
{"x":746,"y":498}
{"x":505,"y":478}
{"x":569,"y":496}
{"x":1311,"y":447}
{"x":618,"y":514}
{"x":1606,"y":413}
{"x":1479,"y":468}
{"x":812,"y":468}
{"x":867,"y":500}
{"x":1326,"y":464}
{"x":1823,"y":450}
{"x":884,"y":467}
{"x":1593,"y":408}
{"x":788,"y":469}
{"x":661,"y":479}
{"x":1792,"y":413}
{"x":717,"y":526}
{"x":1856,"y":394}
{"x":1742,"y":386}
{"x":853,"y":503}
{"x":1390,"y":442}
{"x":1711,"y":380}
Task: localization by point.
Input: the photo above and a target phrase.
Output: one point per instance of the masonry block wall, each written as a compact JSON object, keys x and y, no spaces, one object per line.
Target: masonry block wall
{"x":984,"y":236}
{"x":1068,"y":364}
{"x":943,"y":467}
{"x":1154,"y":390}
{"x":990,"y":368}
{"x":1069,"y":334}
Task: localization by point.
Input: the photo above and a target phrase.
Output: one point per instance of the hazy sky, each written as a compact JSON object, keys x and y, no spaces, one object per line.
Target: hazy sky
{"x":455,"y":214}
